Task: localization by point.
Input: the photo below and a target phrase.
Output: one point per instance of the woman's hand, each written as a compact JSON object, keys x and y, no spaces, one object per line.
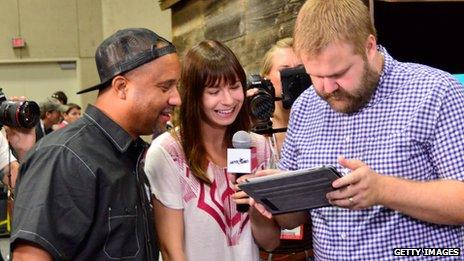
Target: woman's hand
{"x":240,"y":197}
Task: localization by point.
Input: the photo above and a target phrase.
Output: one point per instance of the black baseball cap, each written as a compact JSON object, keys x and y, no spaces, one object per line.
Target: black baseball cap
{"x":125,"y":50}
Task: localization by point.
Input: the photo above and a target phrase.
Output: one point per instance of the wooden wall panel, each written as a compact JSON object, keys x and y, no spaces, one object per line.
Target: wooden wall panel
{"x":188,"y":24}
{"x":248,"y":27}
{"x":225,"y":20}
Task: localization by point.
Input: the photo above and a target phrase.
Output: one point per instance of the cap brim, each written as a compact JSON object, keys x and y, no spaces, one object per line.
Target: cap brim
{"x":93,"y":88}
{"x":63,"y":108}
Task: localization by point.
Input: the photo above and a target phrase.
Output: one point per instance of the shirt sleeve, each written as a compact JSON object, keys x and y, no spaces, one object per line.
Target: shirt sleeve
{"x":447,"y":143}
{"x":164,"y":176}
{"x":5,"y":154}
{"x":54,"y":204}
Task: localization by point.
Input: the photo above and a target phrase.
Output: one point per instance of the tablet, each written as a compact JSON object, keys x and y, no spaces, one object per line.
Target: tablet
{"x":292,"y":191}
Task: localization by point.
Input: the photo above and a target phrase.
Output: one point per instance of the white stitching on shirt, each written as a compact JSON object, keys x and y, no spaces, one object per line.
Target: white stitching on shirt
{"x":46,"y":241}
{"x":109,"y":230}
{"x":90,"y":118}
{"x":77,"y":132}
{"x":77,"y":156}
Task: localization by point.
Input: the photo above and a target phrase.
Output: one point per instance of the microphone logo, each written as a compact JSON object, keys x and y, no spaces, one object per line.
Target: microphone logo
{"x":239,"y":161}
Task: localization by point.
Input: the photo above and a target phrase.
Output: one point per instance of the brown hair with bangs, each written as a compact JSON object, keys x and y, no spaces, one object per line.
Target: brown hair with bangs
{"x":322,"y":22}
{"x":206,"y":64}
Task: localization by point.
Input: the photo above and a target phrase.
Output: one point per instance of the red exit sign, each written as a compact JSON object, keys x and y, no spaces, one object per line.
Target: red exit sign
{"x":18,"y":42}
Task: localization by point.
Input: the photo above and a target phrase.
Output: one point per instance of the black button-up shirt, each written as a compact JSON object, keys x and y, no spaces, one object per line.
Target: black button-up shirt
{"x":82,"y":194}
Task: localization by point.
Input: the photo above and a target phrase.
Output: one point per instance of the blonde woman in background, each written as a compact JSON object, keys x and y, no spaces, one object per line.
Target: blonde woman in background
{"x":296,"y":244}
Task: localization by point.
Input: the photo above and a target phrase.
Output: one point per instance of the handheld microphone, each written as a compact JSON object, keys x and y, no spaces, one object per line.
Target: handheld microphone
{"x":241,"y":159}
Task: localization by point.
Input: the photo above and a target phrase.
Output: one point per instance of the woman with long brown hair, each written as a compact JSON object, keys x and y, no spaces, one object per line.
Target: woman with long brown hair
{"x":195,"y":215}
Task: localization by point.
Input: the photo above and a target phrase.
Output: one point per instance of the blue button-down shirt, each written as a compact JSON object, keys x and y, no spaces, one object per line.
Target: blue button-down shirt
{"x":413,"y":127}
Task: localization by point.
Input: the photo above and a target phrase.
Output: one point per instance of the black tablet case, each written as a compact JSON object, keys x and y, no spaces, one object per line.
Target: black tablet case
{"x":292,"y":191}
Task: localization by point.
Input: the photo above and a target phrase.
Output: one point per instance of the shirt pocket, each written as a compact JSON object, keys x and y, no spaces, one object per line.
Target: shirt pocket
{"x":122,"y":240}
{"x":397,"y":154}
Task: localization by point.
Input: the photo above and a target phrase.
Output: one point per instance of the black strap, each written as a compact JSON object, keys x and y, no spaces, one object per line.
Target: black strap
{"x":144,"y":191}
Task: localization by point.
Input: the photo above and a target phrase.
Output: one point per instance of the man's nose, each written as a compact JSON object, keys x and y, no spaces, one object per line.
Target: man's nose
{"x":174,"y":100}
{"x":330,"y":85}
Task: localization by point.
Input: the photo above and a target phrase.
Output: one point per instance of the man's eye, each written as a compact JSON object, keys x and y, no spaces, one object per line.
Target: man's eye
{"x":165,"y":87}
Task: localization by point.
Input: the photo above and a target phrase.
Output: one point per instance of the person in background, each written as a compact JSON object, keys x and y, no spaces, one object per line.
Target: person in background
{"x":195,"y":216}
{"x":296,"y":244}
{"x":19,"y":141}
{"x":50,"y":114}
{"x":82,"y":193}
{"x":8,"y":164}
{"x":279,"y":57}
{"x":61,"y":97}
{"x":8,"y":172}
{"x":393,"y":129}
{"x":72,"y":114}
{"x":13,"y":149}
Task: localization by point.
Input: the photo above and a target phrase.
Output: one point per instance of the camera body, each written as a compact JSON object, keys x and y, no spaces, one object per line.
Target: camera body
{"x":23,"y":114}
{"x":294,"y":80}
{"x":261,"y":104}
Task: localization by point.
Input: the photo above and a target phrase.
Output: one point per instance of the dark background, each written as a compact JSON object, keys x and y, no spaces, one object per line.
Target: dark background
{"x":430,"y":33}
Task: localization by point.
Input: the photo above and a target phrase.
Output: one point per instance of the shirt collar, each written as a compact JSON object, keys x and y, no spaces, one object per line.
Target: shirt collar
{"x":120,"y":138}
{"x":42,"y":126}
{"x":383,"y":90}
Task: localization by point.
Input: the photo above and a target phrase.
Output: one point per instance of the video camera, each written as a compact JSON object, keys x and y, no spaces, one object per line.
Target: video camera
{"x":294,"y":81}
{"x":24,"y":114}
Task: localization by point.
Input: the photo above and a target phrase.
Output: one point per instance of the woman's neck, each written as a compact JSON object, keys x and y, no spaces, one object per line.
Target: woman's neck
{"x":280,"y":117}
{"x":215,"y":146}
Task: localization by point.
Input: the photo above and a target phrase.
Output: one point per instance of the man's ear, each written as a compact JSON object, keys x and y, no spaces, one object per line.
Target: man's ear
{"x":371,"y":46}
{"x":119,"y":85}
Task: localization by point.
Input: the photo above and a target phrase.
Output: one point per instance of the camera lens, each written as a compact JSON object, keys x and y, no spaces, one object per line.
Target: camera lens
{"x":23,"y":114}
{"x":262,"y":105}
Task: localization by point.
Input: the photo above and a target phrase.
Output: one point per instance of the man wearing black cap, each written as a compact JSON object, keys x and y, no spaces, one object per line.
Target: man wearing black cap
{"x":82,"y":193}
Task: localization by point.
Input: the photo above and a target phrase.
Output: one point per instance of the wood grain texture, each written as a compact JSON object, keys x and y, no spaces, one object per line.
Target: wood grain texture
{"x":248,"y":27}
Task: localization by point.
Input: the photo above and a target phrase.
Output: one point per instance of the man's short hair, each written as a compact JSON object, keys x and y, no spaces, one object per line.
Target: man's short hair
{"x":322,"y":22}
{"x":126,"y":50}
{"x":51,"y":104}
